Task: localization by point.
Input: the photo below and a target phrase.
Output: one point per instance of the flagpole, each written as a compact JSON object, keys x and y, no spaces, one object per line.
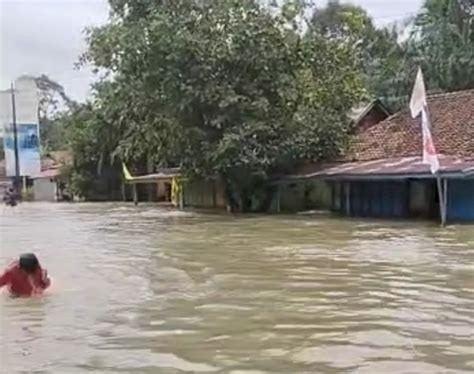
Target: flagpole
{"x":15,"y":142}
{"x":441,"y":195}
{"x":419,"y":105}
{"x":442,"y":202}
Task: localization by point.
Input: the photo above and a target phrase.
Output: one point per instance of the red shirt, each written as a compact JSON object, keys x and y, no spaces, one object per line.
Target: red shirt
{"x":20,"y":283}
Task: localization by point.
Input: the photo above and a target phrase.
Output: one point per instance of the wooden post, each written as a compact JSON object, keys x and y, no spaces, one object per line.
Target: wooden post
{"x":348,"y":198}
{"x":57,"y":190}
{"x":442,"y":202}
{"x":124,"y":192}
{"x":181,"y":195}
{"x":135,"y":194}
{"x":214,"y":197}
{"x":150,"y":186}
{"x":333,"y":197}
{"x":445,"y":195}
{"x":278,"y":200}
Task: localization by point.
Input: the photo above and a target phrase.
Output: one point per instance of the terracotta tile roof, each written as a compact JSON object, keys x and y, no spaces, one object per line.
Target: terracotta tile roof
{"x":452,"y":118}
{"x":49,"y":173}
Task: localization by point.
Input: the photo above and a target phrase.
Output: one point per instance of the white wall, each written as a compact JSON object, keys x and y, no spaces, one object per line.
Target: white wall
{"x":44,"y":189}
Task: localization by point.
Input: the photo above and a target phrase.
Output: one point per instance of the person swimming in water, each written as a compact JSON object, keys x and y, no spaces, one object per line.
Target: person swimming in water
{"x":25,"y":277}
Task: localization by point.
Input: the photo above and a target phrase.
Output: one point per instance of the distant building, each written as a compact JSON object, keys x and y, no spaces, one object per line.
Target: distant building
{"x":382,"y":175}
{"x":314,"y":193}
{"x":49,"y":185}
{"x":365,"y":116}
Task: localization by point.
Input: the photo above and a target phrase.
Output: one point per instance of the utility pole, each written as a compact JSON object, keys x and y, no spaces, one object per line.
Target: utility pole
{"x":15,"y":143}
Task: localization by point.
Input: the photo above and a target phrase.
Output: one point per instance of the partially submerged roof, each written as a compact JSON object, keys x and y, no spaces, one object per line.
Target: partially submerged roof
{"x":393,"y":147}
{"x":391,"y":168}
{"x":56,"y":159}
{"x":161,"y":174}
{"x":452,"y":119}
{"x":48,"y":174}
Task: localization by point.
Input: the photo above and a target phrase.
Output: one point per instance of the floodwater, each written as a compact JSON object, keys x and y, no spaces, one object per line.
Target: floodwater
{"x":149,"y":290}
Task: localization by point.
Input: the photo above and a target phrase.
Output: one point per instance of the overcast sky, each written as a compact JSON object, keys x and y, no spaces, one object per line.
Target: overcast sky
{"x":46,"y":36}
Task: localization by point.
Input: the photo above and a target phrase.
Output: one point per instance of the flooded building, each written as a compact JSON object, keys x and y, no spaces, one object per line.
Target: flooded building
{"x":382,"y":174}
{"x":168,"y":186}
{"x":299,"y":194}
{"x":49,"y":184}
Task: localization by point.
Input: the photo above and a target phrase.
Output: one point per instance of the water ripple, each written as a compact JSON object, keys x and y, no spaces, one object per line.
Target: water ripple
{"x":149,"y":290}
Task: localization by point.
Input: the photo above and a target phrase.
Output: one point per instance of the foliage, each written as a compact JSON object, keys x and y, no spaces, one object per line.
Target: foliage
{"x":243,"y":89}
{"x":223,"y":89}
{"x":89,"y":176}
{"x":440,"y":40}
{"x":443,"y":43}
{"x":377,"y":50}
{"x":54,"y":104}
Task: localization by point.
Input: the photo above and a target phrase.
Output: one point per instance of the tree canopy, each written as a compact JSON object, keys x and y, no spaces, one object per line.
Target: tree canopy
{"x":439,"y":39}
{"x":243,"y":89}
{"x":222,"y":89}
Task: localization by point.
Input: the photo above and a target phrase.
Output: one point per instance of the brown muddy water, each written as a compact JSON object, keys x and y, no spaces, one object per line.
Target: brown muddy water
{"x":149,"y":290}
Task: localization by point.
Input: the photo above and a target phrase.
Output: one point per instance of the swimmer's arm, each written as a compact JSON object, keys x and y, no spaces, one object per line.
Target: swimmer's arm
{"x":5,"y":278}
{"x":45,"y":281}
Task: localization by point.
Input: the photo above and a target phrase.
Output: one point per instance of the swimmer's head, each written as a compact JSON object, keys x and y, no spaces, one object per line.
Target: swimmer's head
{"x":29,"y":262}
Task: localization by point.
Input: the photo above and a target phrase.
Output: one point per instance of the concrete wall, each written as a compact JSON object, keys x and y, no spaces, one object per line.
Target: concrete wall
{"x":292,"y":197}
{"x":44,"y":189}
{"x":318,"y":195}
{"x":305,"y":195}
{"x":163,"y":191}
{"x":219,"y":193}
{"x":204,"y":194}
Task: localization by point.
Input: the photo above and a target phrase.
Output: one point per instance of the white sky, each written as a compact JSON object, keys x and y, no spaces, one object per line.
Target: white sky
{"x":46,"y":36}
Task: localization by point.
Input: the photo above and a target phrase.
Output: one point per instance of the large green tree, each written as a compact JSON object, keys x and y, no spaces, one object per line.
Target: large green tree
{"x":54,"y":106}
{"x":442,"y":42}
{"x":382,"y":58}
{"x":93,"y":174}
{"x":440,"y":39}
{"x":223,"y":89}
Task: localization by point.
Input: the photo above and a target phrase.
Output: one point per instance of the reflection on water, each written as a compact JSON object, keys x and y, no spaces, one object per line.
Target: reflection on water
{"x":149,"y":290}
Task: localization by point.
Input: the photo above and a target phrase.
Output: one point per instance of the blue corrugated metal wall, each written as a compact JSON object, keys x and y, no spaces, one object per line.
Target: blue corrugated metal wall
{"x":376,"y":199}
{"x":461,"y":200}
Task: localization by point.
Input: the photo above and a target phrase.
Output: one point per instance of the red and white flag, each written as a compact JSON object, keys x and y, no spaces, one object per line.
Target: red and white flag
{"x":419,"y":104}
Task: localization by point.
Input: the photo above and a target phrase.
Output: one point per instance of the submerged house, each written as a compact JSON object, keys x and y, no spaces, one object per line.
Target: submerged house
{"x":168,"y":186}
{"x":300,"y":192}
{"x":49,"y":184}
{"x":382,"y":174}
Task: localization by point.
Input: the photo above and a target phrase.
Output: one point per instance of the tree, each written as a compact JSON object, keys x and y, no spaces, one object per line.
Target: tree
{"x":221,"y":88}
{"x":54,"y":104}
{"x":381,"y":56}
{"x":442,"y":42}
{"x":92,"y":174}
